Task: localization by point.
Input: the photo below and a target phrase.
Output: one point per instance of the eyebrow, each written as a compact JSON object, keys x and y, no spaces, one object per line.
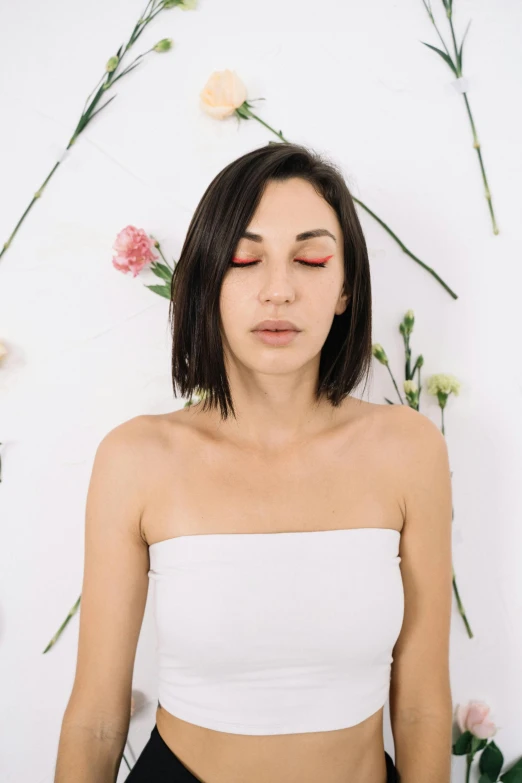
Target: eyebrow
{"x":316,"y":232}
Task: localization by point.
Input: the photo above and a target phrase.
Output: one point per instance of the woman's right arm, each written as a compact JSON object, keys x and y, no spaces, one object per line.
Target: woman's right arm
{"x":114,"y":593}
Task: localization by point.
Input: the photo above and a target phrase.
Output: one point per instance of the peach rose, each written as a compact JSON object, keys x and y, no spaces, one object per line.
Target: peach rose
{"x":223,"y":93}
{"x":474,"y":718}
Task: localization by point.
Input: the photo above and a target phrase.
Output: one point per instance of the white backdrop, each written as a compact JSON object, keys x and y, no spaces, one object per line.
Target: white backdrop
{"x":89,"y":347}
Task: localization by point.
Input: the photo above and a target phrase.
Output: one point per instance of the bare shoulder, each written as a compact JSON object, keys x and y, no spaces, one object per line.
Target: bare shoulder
{"x":125,"y":457}
{"x":416,"y":450}
{"x":129,"y":433}
{"x":137,"y":440}
{"x":411,"y":428}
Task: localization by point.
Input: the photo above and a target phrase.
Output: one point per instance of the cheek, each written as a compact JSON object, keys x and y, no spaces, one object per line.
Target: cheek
{"x":322,"y":298}
{"x":235,"y":303}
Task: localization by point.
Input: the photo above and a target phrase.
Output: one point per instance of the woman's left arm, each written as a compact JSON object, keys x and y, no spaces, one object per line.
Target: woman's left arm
{"x":421,"y":710}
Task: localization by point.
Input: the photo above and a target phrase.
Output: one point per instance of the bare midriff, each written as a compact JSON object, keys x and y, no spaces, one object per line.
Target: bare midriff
{"x":348,"y":755}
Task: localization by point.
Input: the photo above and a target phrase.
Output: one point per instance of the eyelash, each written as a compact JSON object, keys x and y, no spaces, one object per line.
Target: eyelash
{"x":319,"y":262}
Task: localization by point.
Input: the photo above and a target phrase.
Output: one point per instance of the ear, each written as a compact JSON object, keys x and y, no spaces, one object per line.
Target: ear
{"x":342,"y":302}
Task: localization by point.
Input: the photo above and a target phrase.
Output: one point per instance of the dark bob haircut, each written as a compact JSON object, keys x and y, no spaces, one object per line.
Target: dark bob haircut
{"x":220,"y":219}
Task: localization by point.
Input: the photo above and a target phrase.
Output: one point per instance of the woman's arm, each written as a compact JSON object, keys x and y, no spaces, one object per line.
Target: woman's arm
{"x":420,"y":695}
{"x":115,"y":584}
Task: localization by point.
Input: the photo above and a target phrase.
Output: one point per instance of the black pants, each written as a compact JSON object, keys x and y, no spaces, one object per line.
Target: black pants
{"x":158,"y":764}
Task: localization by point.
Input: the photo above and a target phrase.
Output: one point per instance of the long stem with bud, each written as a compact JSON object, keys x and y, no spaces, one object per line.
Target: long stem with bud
{"x":109,"y":78}
{"x":455,"y":64}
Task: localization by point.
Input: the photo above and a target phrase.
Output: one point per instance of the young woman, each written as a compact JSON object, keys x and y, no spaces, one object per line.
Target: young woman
{"x":298,"y":539}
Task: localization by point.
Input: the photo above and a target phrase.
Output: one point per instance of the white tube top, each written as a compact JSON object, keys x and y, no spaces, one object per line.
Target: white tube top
{"x":276,"y":633}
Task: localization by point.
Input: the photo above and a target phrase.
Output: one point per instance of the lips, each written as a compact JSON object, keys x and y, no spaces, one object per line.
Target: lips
{"x":272,"y":325}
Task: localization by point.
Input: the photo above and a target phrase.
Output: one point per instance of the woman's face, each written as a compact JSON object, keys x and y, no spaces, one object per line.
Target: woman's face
{"x":279,"y":285}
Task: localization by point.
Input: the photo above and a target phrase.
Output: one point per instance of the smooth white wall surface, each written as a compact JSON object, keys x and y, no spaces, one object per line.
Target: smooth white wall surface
{"x":89,"y":347}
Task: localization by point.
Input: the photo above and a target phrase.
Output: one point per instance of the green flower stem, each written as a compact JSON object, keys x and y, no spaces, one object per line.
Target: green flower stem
{"x":279,"y":134}
{"x":244,"y":111}
{"x":476,"y":145}
{"x":430,"y":14}
{"x":460,"y":606}
{"x":454,"y":580}
{"x":163,"y":257}
{"x":127,"y":763}
{"x":108,"y":79}
{"x":407,"y":351}
{"x":455,"y":64}
{"x":405,"y":249}
{"x":469,"y":761}
{"x":393,"y":381}
{"x":60,"y":629}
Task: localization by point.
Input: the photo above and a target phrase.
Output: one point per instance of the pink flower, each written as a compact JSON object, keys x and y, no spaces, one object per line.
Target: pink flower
{"x":474,"y":718}
{"x":134,"y":250}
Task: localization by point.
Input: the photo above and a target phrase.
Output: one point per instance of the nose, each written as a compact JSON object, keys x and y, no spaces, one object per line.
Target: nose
{"x":276,"y":285}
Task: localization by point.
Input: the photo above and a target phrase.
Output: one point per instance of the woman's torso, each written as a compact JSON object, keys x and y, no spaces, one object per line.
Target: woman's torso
{"x":200,"y":483}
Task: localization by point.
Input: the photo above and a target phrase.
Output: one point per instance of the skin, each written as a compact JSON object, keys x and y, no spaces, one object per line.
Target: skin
{"x":285,"y":464}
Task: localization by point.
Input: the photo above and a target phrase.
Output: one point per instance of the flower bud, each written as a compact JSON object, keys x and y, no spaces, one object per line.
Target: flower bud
{"x":112,"y":64}
{"x":412,"y":392}
{"x":164,"y":45}
{"x":406,"y":327}
{"x":475,"y":718}
{"x":379,"y":353}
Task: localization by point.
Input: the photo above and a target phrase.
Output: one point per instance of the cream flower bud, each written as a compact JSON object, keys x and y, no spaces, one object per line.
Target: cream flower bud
{"x":112,"y":64}
{"x":164,"y":45}
{"x":379,"y":353}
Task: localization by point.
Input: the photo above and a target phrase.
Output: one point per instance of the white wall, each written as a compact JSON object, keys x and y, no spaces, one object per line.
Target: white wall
{"x":89,"y":347}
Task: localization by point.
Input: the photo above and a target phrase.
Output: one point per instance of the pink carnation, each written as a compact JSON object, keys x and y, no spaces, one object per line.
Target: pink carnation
{"x":473,"y":717}
{"x":134,"y":250}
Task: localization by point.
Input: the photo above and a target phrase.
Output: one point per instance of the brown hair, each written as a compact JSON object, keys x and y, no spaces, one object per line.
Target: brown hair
{"x":220,"y":219}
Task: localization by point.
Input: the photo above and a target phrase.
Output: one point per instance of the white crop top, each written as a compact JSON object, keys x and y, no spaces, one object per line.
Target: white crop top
{"x":276,"y":633}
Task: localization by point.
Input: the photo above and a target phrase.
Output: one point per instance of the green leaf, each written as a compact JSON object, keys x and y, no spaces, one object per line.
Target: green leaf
{"x":99,"y":110}
{"x":444,"y":56}
{"x":491,"y":760}
{"x":459,"y":56}
{"x":463,"y":744}
{"x":514,"y":774}
{"x":162,"y":290}
{"x":126,"y":71}
{"x":161,"y":270}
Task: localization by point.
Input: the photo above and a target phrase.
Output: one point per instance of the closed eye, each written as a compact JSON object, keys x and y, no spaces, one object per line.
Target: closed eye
{"x":311,"y":262}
